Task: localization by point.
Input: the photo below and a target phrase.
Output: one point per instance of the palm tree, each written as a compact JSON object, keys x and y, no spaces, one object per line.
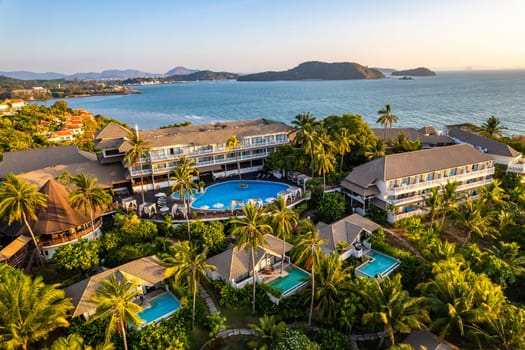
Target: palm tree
{"x":138,"y":150}
{"x":342,"y":144}
{"x":386,"y":118}
{"x":508,"y":328}
{"x":233,"y":143}
{"x":88,"y":196}
{"x":283,"y":221}
{"x":29,"y":309}
{"x":324,"y":158}
{"x":433,"y":203}
{"x":493,"y":194}
{"x":114,"y":300}
{"x":375,"y":149}
{"x":492,"y":127}
{"x":334,"y":280}
{"x":250,"y":231}
{"x":449,"y":200}
{"x":20,"y":201}
{"x":301,"y":123}
{"x":268,"y":329}
{"x":392,"y":306}
{"x":308,"y":251}
{"x":183,"y":185}
{"x":470,"y":216}
{"x":186,"y":264}
{"x":75,"y":342}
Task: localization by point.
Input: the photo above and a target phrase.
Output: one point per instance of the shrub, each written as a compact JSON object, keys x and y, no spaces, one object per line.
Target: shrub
{"x":293,"y":339}
{"x":332,"y":207}
{"x":331,"y":339}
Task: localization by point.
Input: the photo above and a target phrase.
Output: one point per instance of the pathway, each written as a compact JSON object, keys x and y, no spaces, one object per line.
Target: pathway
{"x":209,"y":301}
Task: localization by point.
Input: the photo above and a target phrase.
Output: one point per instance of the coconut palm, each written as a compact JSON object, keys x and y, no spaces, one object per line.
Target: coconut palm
{"x":21,"y":201}
{"x":386,"y":118}
{"x":471,"y":218}
{"x":342,"y":144}
{"x":250,"y":231}
{"x":137,"y":151}
{"x":493,"y":194}
{"x":183,"y":185}
{"x":449,"y":200}
{"x":308,"y":251}
{"x":492,"y":127}
{"x":88,"y":196}
{"x":75,"y":342}
{"x":324,"y":158}
{"x":433,"y":203}
{"x":114,"y":300}
{"x":267,"y":330}
{"x":185,"y":264}
{"x":283,"y":220}
{"x":333,"y":281}
{"x":303,"y":122}
{"x":375,"y":149}
{"x":29,"y":309}
{"x":233,"y":143}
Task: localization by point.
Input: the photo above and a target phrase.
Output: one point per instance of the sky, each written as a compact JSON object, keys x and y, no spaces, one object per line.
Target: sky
{"x":244,"y":36}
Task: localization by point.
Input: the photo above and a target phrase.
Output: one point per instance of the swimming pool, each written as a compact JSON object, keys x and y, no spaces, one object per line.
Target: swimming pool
{"x":379,"y":264}
{"x":161,"y":307}
{"x":220,"y":196}
{"x":291,"y":282}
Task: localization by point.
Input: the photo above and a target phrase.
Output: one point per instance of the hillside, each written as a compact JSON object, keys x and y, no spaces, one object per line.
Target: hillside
{"x":318,"y":71}
{"x":203,"y":75}
{"x":416,"y":72}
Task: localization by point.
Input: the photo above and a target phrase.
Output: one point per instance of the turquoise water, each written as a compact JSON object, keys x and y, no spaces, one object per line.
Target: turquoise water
{"x":381,"y":265}
{"x":295,"y":277}
{"x":450,"y":97}
{"x":195,"y":195}
{"x":219,"y":196}
{"x":161,"y":306}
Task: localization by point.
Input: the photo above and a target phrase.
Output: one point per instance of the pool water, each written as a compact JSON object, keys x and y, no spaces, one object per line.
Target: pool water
{"x":292,"y":280}
{"x":195,"y":195}
{"x":161,"y":307}
{"x":220,"y":196}
{"x":381,"y":264}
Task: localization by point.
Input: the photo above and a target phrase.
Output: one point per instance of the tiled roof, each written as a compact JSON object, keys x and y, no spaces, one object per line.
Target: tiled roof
{"x":412,"y":135}
{"x":345,"y":229}
{"x":145,"y":271}
{"x":482,"y":143}
{"x":400,"y":165}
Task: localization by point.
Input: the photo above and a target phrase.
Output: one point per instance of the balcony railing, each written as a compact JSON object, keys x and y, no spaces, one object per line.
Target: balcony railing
{"x":404,"y":188}
{"x":68,"y":236}
{"x":518,"y":168}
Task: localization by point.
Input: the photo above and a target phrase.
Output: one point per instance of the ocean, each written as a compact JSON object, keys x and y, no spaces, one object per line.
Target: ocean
{"x":448,"y":98}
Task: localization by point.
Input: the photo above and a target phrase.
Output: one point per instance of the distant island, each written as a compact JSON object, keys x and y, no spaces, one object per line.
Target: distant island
{"x":318,"y":71}
{"x":416,"y":72}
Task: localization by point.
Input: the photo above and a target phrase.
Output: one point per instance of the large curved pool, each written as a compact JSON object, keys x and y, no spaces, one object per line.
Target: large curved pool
{"x":222,"y":196}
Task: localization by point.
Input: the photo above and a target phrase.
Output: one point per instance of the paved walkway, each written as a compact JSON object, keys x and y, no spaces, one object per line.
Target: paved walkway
{"x":209,"y":301}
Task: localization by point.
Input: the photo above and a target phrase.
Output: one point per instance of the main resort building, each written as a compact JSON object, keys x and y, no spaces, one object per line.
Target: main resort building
{"x":398,"y":183}
{"x":206,"y":144}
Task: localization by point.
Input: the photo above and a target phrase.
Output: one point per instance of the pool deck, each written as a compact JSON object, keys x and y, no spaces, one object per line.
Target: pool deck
{"x":207,"y":215}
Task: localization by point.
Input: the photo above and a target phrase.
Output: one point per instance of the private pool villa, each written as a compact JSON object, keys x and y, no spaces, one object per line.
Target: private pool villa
{"x":377,"y":265}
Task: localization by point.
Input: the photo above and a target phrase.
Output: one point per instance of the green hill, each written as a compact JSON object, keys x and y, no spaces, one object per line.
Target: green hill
{"x":416,"y":72}
{"x":318,"y":71}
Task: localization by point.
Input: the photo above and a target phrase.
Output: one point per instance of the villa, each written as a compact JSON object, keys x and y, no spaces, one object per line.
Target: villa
{"x":234,"y":264}
{"x":58,"y":224}
{"x":206,"y":144}
{"x":397,"y":183}
{"x":501,"y":153}
{"x":146,"y":272}
{"x":349,"y":236}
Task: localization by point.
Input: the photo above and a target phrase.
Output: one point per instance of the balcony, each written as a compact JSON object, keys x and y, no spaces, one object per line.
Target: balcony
{"x":397,"y":190}
{"x":517,"y":167}
{"x":68,"y":236}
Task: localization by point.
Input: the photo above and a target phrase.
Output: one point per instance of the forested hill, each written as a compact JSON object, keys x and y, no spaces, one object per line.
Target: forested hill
{"x":318,"y":71}
{"x":416,"y":72}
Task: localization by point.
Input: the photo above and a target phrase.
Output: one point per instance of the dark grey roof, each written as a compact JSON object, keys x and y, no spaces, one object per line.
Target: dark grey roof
{"x":482,"y":143}
{"x":346,"y":229}
{"x":20,"y":162}
{"x":427,"y":135}
{"x":419,"y":338}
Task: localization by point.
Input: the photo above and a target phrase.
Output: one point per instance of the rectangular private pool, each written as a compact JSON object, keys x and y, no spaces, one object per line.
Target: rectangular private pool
{"x":378,"y":264}
{"x":159,"y":307}
{"x":294,"y":279}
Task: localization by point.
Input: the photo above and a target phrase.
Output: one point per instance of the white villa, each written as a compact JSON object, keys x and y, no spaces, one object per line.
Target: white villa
{"x":234,"y":265}
{"x":397,"y":183}
{"x":349,"y":236}
{"x":206,"y":144}
{"x":501,"y":153}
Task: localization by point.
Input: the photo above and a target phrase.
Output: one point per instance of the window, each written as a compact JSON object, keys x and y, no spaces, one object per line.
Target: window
{"x":220,"y":157}
{"x":257,"y":140}
{"x":281,"y":138}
